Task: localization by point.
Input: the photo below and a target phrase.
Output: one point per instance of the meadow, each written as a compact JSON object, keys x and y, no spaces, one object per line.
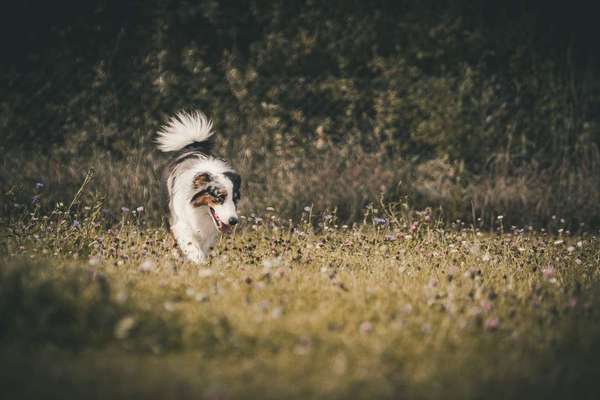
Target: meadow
{"x":420,"y":200}
{"x":398,"y":305}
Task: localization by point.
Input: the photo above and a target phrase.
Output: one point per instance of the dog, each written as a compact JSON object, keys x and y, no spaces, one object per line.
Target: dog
{"x":199,"y":192}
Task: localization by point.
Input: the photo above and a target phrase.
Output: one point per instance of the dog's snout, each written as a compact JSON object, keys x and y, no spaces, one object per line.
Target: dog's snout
{"x":233,"y":221}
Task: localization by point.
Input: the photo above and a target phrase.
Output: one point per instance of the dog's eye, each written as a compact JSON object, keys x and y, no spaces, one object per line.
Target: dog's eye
{"x":219,"y":197}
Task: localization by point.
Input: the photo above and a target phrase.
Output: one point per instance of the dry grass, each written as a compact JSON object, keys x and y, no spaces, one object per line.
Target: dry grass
{"x":345,"y":179}
{"x":396,"y":306}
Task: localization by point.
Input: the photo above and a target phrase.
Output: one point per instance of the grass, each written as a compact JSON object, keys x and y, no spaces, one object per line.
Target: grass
{"x":396,"y":306}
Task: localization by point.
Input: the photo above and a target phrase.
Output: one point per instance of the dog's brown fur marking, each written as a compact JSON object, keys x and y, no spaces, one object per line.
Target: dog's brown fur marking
{"x":202,"y":199}
{"x":201,"y":180}
{"x":206,"y":198}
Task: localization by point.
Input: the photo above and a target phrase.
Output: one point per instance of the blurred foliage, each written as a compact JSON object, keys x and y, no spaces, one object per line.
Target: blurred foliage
{"x":485,"y":86}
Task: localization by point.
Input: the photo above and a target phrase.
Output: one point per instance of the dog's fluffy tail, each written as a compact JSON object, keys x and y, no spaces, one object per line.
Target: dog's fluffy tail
{"x":185,"y":129}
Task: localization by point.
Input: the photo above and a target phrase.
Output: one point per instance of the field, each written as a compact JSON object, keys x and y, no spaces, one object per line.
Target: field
{"x":400,"y":305}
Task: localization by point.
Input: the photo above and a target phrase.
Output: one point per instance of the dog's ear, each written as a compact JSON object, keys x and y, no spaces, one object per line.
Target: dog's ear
{"x":201,"y":179}
{"x":236,"y":179}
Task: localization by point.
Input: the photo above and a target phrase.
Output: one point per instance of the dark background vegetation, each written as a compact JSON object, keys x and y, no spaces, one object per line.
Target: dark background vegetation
{"x":476,"y":108}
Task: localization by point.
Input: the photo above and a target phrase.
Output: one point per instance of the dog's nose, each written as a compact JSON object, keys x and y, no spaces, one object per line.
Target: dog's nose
{"x":233,"y":221}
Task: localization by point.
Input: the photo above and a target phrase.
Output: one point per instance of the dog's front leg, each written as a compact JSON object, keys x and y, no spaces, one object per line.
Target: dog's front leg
{"x":188,"y":244}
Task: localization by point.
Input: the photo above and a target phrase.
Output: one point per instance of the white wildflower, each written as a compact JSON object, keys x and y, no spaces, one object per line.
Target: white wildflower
{"x":147,"y":266}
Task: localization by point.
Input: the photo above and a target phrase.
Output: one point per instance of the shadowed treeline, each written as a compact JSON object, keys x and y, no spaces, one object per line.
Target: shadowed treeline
{"x":480,"y":108}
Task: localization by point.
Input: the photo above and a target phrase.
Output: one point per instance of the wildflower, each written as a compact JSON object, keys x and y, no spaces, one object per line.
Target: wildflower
{"x":147,"y":266}
{"x":35,"y":199}
{"x":93,"y":261}
{"x":578,"y":261}
{"x":140,"y":209}
{"x":580,"y":244}
{"x":76,"y":224}
{"x":307,"y":208}
{"x":549,"y":272}
{"x":486,"y":305}
{"x":366,"y":327}
{"x":39,"y":185}
{"x":492,"y":323}
{"x":500,"y":217}
{"x":571,"y":249}
{"x":379,"y":221}
{"x":390,"y":238}
{"x":270,"y":209}
{"x":270,"y":263}
{"x":125,"y":209}
{"x":558,"y":242}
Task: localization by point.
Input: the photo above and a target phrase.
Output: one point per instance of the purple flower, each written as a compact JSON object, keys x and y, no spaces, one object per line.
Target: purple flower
{"x":379,"y":221}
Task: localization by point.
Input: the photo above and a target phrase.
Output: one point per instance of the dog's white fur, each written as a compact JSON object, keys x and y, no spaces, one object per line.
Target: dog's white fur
{"x":183,"y":129}
{"x":195,"y":228}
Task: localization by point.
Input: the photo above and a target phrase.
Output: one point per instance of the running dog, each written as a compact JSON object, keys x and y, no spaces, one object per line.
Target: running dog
{"x":200,"y":192}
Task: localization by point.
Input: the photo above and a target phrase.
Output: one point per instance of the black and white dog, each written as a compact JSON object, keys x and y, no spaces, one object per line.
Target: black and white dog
{"x":200,"y":191}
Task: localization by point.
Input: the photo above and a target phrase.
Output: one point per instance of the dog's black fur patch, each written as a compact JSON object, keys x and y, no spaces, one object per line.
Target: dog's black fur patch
{"x":236,"y":179}
{"x":205,"y":147}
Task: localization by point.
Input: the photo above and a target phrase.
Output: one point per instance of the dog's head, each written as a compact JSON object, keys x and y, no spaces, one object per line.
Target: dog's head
{"x":220,"y":192}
